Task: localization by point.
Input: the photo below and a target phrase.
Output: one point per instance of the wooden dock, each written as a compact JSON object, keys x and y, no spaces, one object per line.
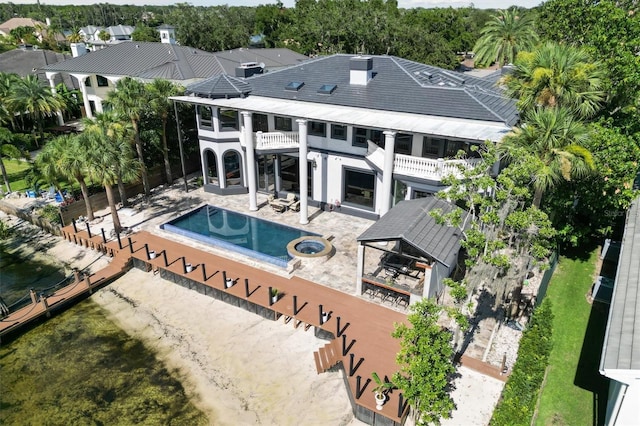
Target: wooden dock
{"x":43,"y":306}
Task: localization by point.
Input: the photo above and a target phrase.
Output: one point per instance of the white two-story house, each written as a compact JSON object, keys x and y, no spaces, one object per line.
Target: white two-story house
{"x":357,"y":132}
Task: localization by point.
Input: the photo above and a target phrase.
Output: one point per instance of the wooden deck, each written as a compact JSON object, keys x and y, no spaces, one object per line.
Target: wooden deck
{"x":360,"y":330}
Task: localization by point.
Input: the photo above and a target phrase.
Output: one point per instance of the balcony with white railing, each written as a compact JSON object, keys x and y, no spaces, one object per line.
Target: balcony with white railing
{"x":277,"y":140}
{"x":425,"y":168}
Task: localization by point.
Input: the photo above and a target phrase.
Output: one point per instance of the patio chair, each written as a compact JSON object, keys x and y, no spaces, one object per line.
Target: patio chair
{"x":295,"y":206}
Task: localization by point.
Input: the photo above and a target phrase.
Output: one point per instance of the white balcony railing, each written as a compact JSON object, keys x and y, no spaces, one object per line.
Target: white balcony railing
{"x":425,"y":168}
{"x":430,"y":168}
{"x":277,"y":140}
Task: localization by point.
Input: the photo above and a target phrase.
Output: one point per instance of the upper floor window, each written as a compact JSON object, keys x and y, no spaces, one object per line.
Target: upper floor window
{"x":205,"y":114}
{"x":317,"y":128}
{"x":102,"y":81}
{"x":453,"y":147}
{"x":362,"y":135}
{"x":259,"y":122}
{"x":404,"y":143}
{"x":228,"y":120}
{"x":338,"y":131}
{"x":432,"y":147}
{"x":283,"y":123}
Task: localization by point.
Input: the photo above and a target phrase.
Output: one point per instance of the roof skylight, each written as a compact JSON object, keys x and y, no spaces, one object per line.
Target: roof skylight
{"x":327,"y":89}
{"x":294,"y":86}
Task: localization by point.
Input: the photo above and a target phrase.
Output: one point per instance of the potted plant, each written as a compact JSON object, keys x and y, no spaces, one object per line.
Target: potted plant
{"x":380,"y":390}
{"x":274,"y":295}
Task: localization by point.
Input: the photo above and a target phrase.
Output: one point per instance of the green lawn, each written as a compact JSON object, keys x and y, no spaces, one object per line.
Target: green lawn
{"x":16,"y":170}
{"x":574,"y":387}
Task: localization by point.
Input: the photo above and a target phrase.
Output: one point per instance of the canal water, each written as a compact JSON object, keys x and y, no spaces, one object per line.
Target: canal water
{"x":78,"y":367}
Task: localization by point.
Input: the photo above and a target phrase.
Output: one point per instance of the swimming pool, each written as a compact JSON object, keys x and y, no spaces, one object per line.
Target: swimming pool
{"x":252,"y":236}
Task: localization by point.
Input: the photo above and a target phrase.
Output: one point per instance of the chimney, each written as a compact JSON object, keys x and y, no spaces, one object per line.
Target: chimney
{"x":360,"y":70}
{"x":78,"y":49}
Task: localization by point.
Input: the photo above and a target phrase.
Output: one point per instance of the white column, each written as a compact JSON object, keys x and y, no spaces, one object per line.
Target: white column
{"x":85,"y":98}
{"x":387,"y":171}
{"x":52,"y":83}
{"x":251,"y":160}
{"x":359,"y":269}
{"x":304,"y":167}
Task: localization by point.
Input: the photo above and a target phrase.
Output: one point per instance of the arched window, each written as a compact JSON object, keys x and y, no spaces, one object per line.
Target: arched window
{"x":232,"y":169}
{"x":212,"y":168}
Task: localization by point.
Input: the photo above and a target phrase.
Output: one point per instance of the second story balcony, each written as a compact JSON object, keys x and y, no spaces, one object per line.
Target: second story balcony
{"x":276,"y":140}
{"x":420,"y":167}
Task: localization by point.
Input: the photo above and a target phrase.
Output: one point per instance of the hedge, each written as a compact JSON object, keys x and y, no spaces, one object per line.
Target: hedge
{"x":518,"y":401}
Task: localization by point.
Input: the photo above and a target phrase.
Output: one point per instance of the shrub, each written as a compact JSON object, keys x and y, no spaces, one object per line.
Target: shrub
{"x":50,"y":213}
{"x":518,"y":402}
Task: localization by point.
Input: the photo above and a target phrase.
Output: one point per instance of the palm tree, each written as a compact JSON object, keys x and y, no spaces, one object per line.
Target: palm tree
{"x":130,"y":99}
{"x":71,"y":99}
{"x":159,"y":93}
{"x":75,"y":36}
{"x":7,"y":149}
{"x":66,"y":156}
{"x":502,"y":37}
{"x":558,"y":75}
{"x":104,"y":35}
{"x":552,"y":138}
{"x":116,"y":130}
{"x":105,"y":157}
{"x":7,"y":82}
{"x":33,"y":97}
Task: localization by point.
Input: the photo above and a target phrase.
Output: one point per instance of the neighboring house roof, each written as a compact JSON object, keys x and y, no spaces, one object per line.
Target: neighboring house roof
{"x":29,"y":62}
{"x":89,"y":30}
{"x":397,"y":85}
{"x":621,"y":349}
{"x":220,"y":86}
{"x":271,"y":58}
{"x":120,"y":31}
{"x":411,"y":222}
{"x":13,"y":23}
{"x":144,"y":60}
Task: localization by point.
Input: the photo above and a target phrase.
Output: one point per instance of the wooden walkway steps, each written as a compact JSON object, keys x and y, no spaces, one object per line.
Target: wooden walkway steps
{"x":327,"y":356}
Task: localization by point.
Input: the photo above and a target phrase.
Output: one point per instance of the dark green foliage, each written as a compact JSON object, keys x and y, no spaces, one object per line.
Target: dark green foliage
{"x":145,"y":33}
{"x":51,"y":213}
{"x":520,"y":394}
{"x":426,"y":363}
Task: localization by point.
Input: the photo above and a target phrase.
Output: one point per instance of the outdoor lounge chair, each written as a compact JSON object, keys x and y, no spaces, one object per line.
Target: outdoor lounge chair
{"x":276,"y":204}
{"x":295,"y":206}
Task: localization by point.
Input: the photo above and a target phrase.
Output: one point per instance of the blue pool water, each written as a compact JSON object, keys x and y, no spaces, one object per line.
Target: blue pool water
{"x":234,"y":231}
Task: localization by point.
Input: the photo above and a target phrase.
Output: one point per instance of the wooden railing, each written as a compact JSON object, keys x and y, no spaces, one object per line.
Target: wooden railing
{"x":276,"y":140}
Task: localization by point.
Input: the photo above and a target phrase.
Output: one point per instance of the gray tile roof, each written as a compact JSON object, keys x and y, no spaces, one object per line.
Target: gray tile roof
{"x":144,"y":60}
{"x":220,"y":87}
{"x":24,"y":62}
{"x":398,"y":85}
{"x":621,"y":349}
{"x":410,"y":221}
{"x":272,"y":58}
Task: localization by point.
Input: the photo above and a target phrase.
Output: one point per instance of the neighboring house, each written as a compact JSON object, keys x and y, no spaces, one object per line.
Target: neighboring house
{"x":269,"y":59}
{"x":620,"y":360}
{"x":26,"y":62}
{"x":99,"y":71}
{"x":13,"y":23}
{"x":117,"y":33}
{"x":371,"y":131}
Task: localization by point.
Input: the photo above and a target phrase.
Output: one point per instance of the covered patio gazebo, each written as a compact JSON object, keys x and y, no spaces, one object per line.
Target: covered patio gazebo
{"x":405,"y":255}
